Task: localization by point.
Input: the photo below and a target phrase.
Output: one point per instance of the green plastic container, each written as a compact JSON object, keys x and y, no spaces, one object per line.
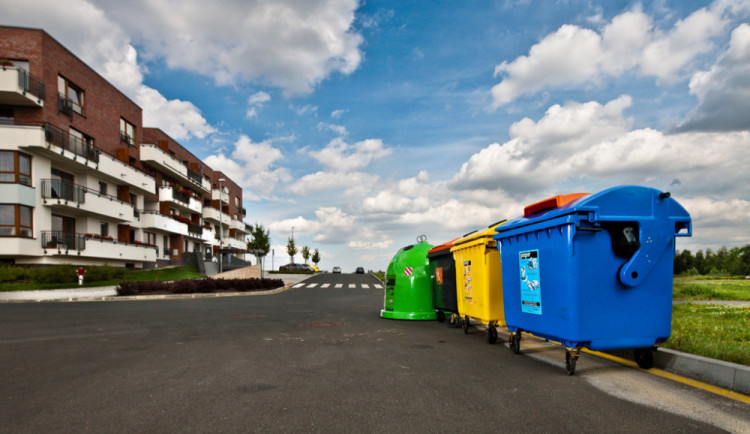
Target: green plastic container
{"x":408,"y":288}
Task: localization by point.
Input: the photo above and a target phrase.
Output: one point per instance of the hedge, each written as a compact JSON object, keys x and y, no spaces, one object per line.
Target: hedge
{"x":193,"y":286}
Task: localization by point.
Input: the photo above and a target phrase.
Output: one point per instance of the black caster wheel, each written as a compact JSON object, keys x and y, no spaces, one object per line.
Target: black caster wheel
{"x":440,"y":316}
{"x":570,"y":363}
{"x":515,"y":343}
{"x":466,"y":325}
{"x":644,"y":357}
{"x":491,"y":334}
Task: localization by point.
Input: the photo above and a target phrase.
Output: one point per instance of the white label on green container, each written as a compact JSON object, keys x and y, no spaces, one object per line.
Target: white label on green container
{"x":531,"y":289}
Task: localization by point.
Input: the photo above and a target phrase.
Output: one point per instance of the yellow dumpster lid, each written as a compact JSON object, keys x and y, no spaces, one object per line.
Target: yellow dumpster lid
{"x":481,"y":233}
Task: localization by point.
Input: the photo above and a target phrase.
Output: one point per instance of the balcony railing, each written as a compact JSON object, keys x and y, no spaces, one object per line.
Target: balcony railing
{"x":194,"y":176}
{"x":30,"y":84}
{"x":182,"y":197}
{"x":59,"y":189}
{"x":195,"y":229}
{"x":63,"y":240}
{"x":65,"y":140}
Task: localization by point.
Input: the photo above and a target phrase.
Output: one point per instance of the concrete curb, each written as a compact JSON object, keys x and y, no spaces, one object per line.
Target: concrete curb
{"x":730,"y":376}
{"x":85,"y":298}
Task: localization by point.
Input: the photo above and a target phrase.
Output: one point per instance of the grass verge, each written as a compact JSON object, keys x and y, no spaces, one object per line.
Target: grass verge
{"x":698,"y":289}
{"x":715,"y":331}
{"x":160,"y":275}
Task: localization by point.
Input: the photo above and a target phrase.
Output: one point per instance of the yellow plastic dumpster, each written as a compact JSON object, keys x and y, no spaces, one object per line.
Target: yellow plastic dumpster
{"x":479,"y":280}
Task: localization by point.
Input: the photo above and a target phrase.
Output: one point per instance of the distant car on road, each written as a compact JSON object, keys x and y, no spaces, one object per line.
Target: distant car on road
{"x":314,"y":268}
{"x":294,"y":267}
{"x":336,"y":270}
{"x":360,"y":270}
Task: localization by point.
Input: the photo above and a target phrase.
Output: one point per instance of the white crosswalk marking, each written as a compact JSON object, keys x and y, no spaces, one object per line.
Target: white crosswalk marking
{"x":312,"y":285}
{"x":299,"y":285}
{"x":366,"y":286}
{"x":351,"y":285}
{"x":339,"y":285}
{"x":325,"y":285}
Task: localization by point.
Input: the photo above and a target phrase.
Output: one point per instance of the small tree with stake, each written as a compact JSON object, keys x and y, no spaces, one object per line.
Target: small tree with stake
{"x":316,"y":257}
{"x":260,"y":244}
{"x":305,"y":253}
{"x":291,"y":249}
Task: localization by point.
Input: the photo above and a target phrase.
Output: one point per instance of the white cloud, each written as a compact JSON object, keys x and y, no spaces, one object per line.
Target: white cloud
{"x":573,"y":55}
{"x":285,"y":43}
{"x":370,"y":245}
{"x":255,"y":102}
{"x":330,"y":226}
{"x":338,"y":129}
{"x":321,"y":181}
{"x":341,"y":156}
{"x":723,"y":91}
{"x":337,"y":114}
{"x":251,"y":165}
{"x":104,"y":45}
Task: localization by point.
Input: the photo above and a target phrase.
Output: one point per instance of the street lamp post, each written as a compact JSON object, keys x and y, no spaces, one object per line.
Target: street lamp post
{"x":221,"y":229}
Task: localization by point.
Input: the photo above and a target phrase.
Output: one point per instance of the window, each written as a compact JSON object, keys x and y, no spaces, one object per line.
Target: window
{"x":62,"y":185}
{"x":102,"y":187}
{"x":6,"y":116}
{"x":104,"y":229}
{"x":15,"y":221}
{"x":71,"y":94}
{"x":127,"y":132}
{"x":15,"y":167}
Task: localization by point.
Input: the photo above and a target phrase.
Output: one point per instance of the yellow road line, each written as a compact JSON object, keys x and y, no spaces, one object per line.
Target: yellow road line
{"x":674,"y":377}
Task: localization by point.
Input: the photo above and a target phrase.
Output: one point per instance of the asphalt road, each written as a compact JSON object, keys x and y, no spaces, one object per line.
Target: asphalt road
{"x":312,"y":359}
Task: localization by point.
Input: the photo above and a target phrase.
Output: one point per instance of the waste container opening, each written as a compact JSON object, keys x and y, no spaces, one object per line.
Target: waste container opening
{"x":552,"y":203}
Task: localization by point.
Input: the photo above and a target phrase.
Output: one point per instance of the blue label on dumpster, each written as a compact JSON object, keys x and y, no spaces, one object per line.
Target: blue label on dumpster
{"x":531,"y":290}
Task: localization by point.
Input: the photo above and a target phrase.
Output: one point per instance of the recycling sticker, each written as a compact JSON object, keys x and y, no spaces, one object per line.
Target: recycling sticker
{"x":531,"y":289}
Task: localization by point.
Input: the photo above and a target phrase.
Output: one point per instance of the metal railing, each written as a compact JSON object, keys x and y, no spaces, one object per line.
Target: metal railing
{"x":182,"y":197}
{"x":195,"y":229}
{"x":65,"y":140}
{"x":63,"y":240}
{"x":195,"y":176}
{"x":29,"y":83}
{"x":59,"y":189}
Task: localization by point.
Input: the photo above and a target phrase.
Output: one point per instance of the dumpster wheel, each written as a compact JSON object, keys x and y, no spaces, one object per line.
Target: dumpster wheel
{"x":491,"y":334}
{"x":466,"y":325}
{"x":571,"y":357}
{"x":515,"y":342}
{"x":440,"y":315}
{"x":644,"y":357}
{"x":455,"y":320}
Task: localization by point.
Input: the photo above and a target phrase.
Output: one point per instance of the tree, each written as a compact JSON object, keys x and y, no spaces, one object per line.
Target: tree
{"x":260,"y":243}
{"x":316,"y":257}
{"x":305,"y":253}
{"x":291,"y":249}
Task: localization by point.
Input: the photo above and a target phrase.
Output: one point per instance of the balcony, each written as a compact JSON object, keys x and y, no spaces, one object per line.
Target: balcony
{"x":209,"y":236}
{"x":155,"y":220}
{"x":123,"y":173}
{"x":220,"y":195}
{"x":64,"y":243}
{"x":235,"y":244}
{"x":181,"y":200}
{"x":79,"y":200}
{"x":239,"y":226}
{"x":19,"y":88}
{"x":212,"y":214}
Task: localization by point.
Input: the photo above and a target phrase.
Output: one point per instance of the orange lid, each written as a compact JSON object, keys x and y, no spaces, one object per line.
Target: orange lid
{"x":551,"y":203}
{"x":446,"y":245}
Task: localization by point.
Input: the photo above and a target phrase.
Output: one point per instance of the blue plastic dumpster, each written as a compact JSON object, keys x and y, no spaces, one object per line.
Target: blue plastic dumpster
{"x":593,"y":271}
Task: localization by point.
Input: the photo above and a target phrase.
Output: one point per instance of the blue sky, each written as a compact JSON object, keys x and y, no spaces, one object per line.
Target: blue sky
{"x":365,"y":124}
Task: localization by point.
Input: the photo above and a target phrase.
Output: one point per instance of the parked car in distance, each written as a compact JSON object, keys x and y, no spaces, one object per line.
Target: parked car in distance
{"x":360,"y":270}
{"x":314,"y":268}
{"x":336,"y":270}
{"x":295,"y":267}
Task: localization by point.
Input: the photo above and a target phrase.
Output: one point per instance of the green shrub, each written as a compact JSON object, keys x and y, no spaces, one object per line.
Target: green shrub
{"x":104,"y":273}
{"x":63,"y":273}
{"x":193,"y":286}
{"x":12,"y":273}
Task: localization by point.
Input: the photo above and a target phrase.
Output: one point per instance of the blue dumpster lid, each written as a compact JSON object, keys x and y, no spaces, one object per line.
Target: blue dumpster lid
{"x":621,"y":203}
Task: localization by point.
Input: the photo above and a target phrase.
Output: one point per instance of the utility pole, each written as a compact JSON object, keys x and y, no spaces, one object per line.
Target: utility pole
{"x":221,"y":229}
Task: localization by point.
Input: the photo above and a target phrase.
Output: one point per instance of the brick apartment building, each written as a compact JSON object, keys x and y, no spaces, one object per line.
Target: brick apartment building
{"x":82,"y":181}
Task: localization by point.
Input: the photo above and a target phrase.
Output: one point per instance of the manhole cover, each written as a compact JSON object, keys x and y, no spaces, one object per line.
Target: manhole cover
{"x":321,"y":325}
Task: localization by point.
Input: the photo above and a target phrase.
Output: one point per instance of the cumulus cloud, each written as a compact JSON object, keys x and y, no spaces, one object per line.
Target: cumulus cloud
{"x":285,"y":43}
{"x":573,"y":55}
{"x":330,"y":226}
{"x":339,"y":155}
{"x":338,"y":129}
{"x":255,"y":102}
{"x":251,"y":165}
{"x":104,"y":45}
{"x":723,"y":91}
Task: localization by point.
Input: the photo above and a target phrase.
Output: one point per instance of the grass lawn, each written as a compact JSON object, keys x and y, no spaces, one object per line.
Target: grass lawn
{"x":695,"y":288}
{"x":719,"y":332}
{"x":162,"y":274}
